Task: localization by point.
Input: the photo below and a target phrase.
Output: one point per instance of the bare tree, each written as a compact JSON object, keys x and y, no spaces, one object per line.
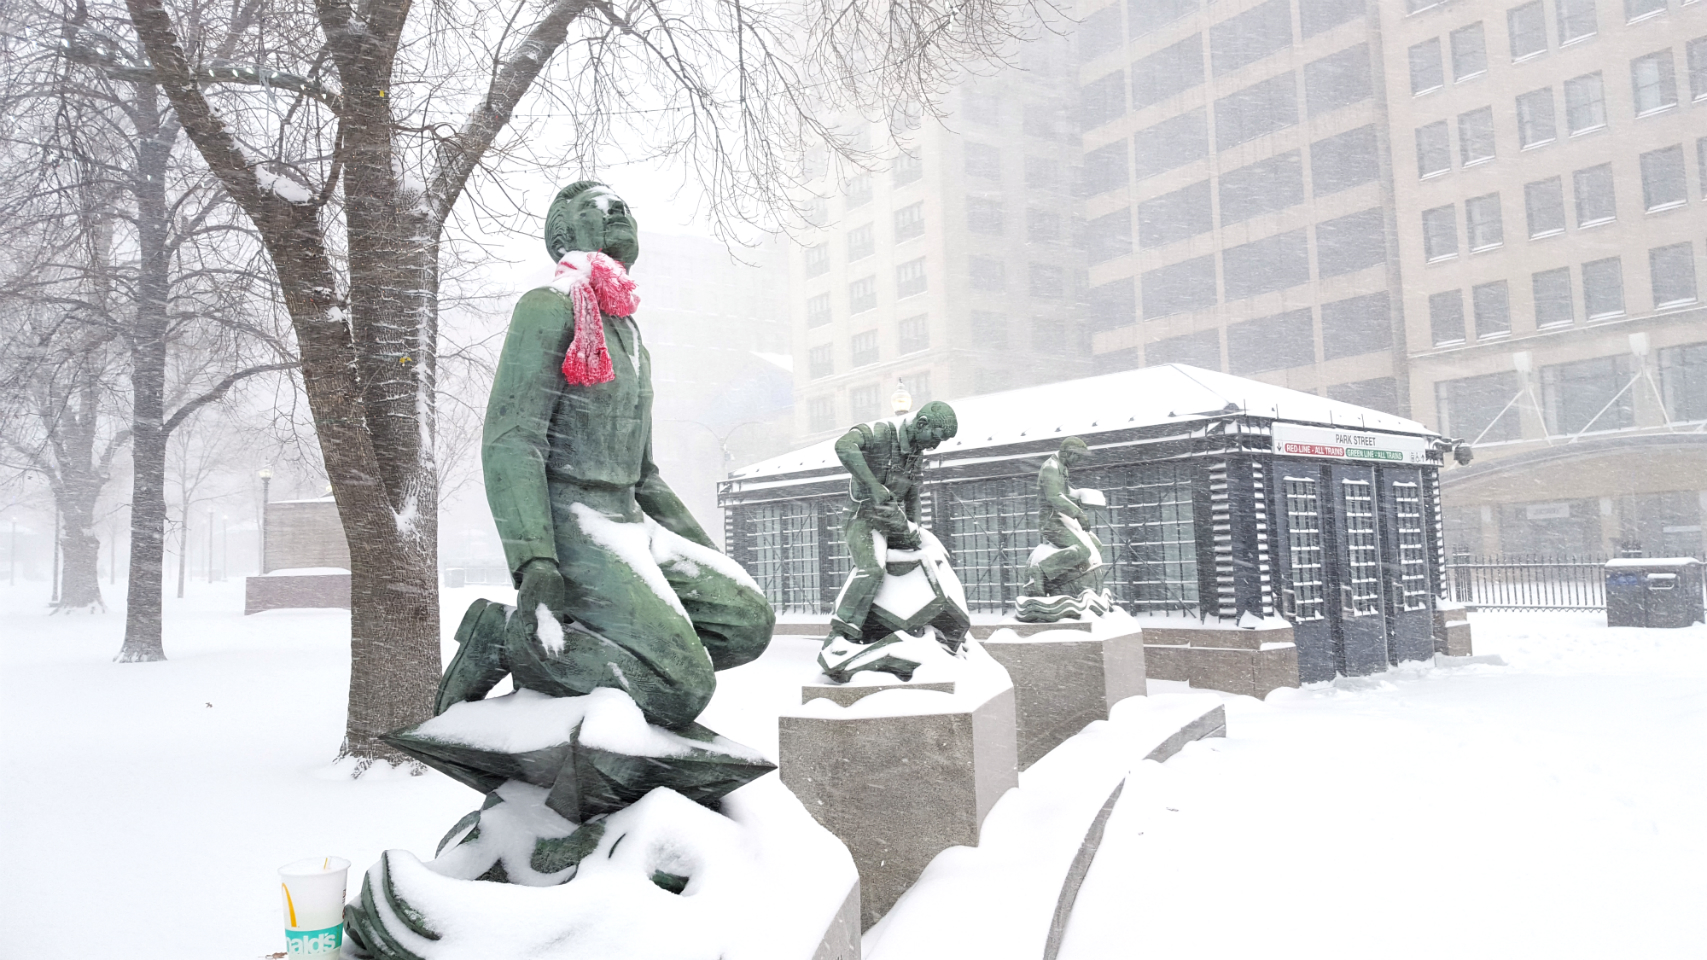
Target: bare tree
{"x":348,"y":132}
{"x":177,"y":283}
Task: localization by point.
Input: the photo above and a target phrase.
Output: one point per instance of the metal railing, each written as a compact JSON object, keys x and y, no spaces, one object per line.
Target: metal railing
{"x":1527,"y":583}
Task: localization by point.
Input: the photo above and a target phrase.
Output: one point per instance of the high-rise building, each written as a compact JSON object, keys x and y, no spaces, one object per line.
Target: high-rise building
{"x":1548,"y":166}
{"x":1239,"y":205}
{"x":717,"y":332}
{"x":1484,"y":218}
{"x":952,"y":270}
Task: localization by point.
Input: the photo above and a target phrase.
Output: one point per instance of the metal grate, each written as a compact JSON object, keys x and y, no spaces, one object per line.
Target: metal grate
{"x":991,"y":532}
{"x":1413,"y":546}
{"x":1363,"y":552}
{"x":1528,"y":583}
{"x":1304,"y":547}
{"x":1149,"y":530}
{"x":783,"y":543}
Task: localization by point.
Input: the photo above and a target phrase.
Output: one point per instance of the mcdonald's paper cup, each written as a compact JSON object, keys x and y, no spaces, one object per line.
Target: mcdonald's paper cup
{"x":313,"y":893}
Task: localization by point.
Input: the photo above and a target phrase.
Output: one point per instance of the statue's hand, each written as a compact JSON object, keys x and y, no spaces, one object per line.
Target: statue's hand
{"x":542,"y":583}
{"x":880,"y":495}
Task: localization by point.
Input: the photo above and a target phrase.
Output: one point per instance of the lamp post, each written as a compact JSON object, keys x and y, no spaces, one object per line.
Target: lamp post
{"x":12,"y":557}
{"x":209,"y":544}
{"x":224,"y":546}
{"x":266,"y":475}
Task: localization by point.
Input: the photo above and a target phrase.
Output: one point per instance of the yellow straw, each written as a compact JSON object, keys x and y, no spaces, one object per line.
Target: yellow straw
{"x":326,"y":863}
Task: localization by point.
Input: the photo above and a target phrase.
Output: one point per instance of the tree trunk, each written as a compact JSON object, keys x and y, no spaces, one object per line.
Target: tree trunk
{"x":143,"y":640}
{"x":80,"y":577}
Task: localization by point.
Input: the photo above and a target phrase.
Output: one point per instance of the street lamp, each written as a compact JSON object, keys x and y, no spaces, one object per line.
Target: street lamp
{"x":209,"y":544}
{"x":266,"y":475}
{"x":901,"y":401}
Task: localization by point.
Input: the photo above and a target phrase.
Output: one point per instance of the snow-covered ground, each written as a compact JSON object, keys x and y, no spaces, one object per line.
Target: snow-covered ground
{"x":1549,"y":808}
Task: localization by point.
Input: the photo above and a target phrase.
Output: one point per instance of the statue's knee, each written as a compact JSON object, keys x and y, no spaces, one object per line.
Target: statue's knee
{"x":749,"y":633}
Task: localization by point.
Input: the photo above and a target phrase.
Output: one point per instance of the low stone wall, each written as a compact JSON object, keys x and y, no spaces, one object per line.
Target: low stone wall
{"x":1452,"y":631}
{"x":1252,"y":662}
{"x":314,"y":590}
{"x":1065,"y":679}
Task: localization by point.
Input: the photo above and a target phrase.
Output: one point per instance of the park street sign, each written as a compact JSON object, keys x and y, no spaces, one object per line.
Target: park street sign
{"x":1341,"y":443}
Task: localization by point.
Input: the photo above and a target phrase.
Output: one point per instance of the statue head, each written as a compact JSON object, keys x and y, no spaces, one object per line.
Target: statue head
{"x":1074,"y":452}
{"x":587,"y":215}
{"x":934,"y":423}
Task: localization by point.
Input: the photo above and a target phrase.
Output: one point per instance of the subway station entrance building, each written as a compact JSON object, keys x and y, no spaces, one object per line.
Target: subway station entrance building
{"x":1230,"y":502}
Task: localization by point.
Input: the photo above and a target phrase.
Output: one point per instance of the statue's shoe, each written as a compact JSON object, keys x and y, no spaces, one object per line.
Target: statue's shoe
{"x":479,"y":662}
{"x":595,"y":754}
{"x":841,"y":658}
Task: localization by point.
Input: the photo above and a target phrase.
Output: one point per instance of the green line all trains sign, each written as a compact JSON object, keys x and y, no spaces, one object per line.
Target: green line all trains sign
{"x":1338,"y":443}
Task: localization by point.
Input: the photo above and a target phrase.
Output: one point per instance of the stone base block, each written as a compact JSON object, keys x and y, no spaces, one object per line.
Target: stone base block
{"x":1452,"y":630}
{"x":901,"y":778}
{"x":983,"y":631}
{"x":1253,"y":673}
{"x":841,"y":937}
{"x":1065,"y":679}
{"x":1453,"y":639}
{"x":847,"y":694}
{"x":311,"y":590}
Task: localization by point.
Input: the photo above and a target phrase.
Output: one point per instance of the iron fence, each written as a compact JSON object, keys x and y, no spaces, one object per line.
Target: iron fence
{"x":1527,"y":583}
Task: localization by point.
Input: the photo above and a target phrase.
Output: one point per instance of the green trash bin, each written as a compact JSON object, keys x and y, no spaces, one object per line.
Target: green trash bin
{"x":1654,"y":592}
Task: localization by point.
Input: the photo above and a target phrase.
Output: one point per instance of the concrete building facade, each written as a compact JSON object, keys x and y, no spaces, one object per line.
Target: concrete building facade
{"x":1487,"y":218}
{"x":1549,"y":195}
{"x":953,"y":270}
{"x":1238,"y":190}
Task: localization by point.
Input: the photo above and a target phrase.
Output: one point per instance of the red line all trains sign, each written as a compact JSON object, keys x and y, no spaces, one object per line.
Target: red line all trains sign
{"x":1345,"y":444}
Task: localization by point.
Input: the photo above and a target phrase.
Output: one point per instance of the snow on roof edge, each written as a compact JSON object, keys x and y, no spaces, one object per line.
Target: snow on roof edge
{"x":1147,"y":396}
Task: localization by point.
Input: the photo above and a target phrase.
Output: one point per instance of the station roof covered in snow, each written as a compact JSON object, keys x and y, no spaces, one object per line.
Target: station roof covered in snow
{"x":1169,"y":393}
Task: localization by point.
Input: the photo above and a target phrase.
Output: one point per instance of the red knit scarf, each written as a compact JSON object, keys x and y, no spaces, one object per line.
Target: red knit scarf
{"x":594,"y":282}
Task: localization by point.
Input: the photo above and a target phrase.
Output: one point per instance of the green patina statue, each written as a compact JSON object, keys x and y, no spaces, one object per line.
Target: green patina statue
{"x":623,"y":602}
{"x":592,"y":533}
{"x":889,"y":550}
{"x":1065,"y":572}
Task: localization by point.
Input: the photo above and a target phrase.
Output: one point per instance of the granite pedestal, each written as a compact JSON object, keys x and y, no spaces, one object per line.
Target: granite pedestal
{"x":282,"y":591}
{"x":901,"y":777}
{"x":1452,"y":630}
{"x":1251,"y":661}
{"x":1065,"y":679}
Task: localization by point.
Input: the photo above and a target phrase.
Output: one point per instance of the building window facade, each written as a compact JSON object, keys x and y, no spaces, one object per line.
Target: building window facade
{"x":908,"y":167}
{"x":820,"y":414}
{"x":1492,"y":305}
{"x":1577,"y":20}
{"x":820,"y":362}
{"x":1673,"y":271}
{"x":1469,"y":52}
{"x":862,"y":295}
{"x":983,"y":215}
{"x":1476,"y":136}
{"x":1596,"y":199}
{"x":1427,"y":74}
{"x":862,"y":243}
{"x":910,"y":278}
{"x":862,"y":349}
{"x":1527,"y":26}
{"x":1603,"y":288}
{"x":1434,"y":149}
{"x":983,"y":160}
{"x":1440,"y":233}
{"x":1652,"y":83}
{"x":1664,"y":183}
{"x":1544,"y":202}
{"x":1480,"y":409}
{"x":859,"y":191}
{"x":1535,"y":123}
{"x":1588,"y":395}
{"x":910,"y":221}
{"x":817,"y":259}
{"x":817,"y":310}
{"x":1585,"y":104}
{"x":1047,"y":281}
{"x":1552,"y":291}
{"x":988,"y":274}
{"x":865,"y":403}
{"x":989,"y":329}
{"x":1482,"y":223}
{"x":915,"y":334}
{"x":1683,"y":381}
{"x":1446,"y":317}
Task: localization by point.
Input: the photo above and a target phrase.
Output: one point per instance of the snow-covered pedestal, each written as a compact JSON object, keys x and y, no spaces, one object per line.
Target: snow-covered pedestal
{"x":1250,"y":657}
{"x":1066,"y":678}
{"x":904,"y":772}
{"x":1451,"y":629}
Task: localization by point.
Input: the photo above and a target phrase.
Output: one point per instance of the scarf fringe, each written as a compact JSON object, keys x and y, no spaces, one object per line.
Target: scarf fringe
{"x":595,"y":283}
